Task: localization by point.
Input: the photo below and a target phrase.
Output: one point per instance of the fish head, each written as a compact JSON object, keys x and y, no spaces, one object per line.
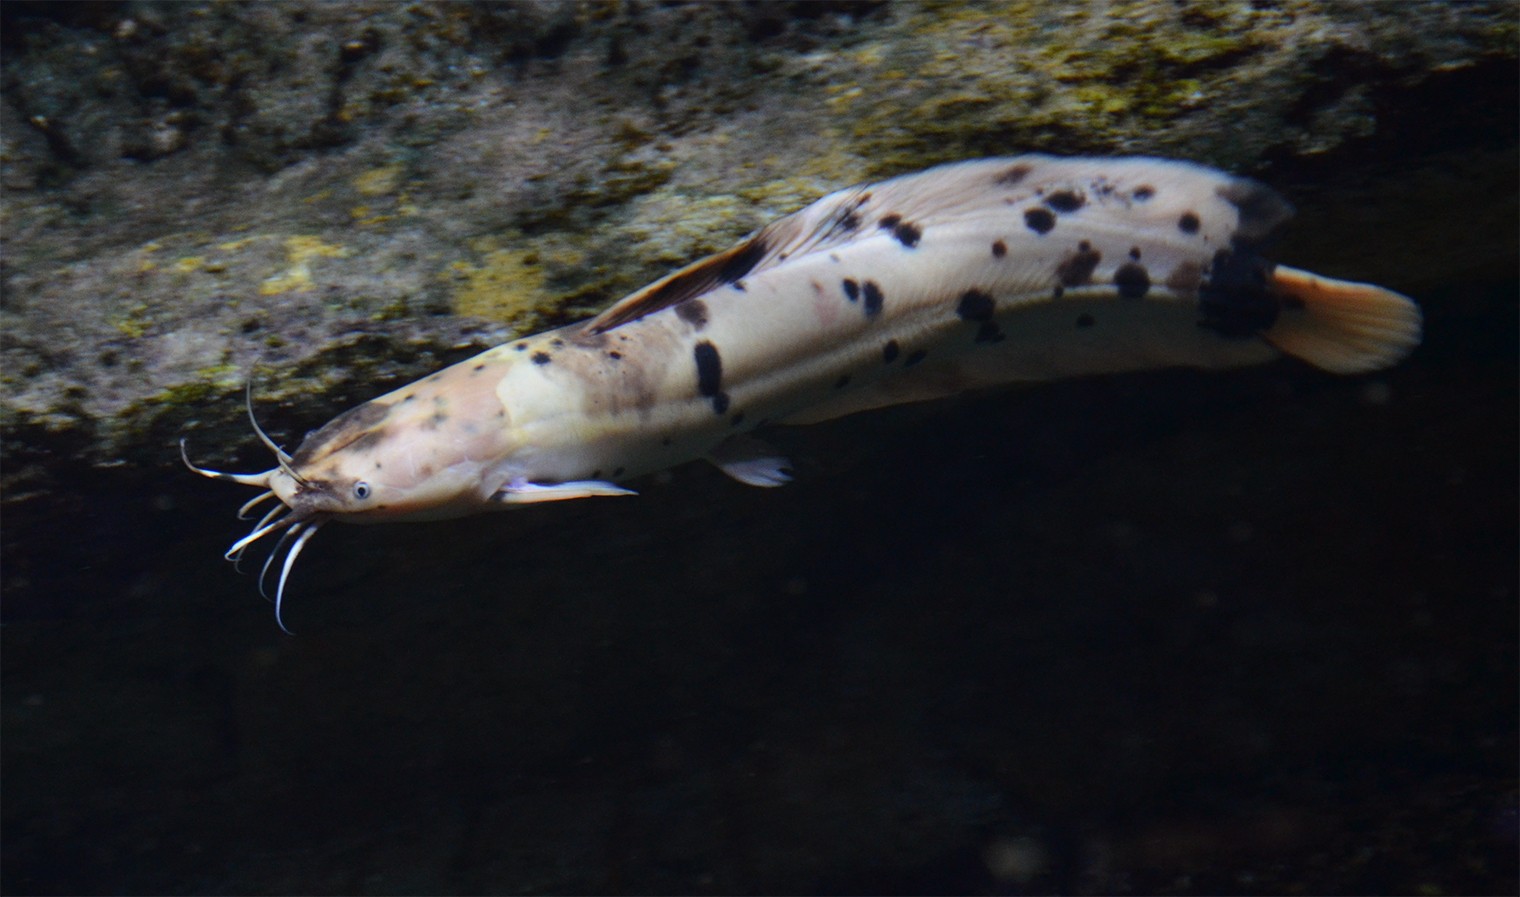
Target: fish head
{"x":423,"y":452}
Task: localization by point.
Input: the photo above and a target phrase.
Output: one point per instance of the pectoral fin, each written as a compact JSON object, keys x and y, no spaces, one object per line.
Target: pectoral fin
{"x":522,"y":492}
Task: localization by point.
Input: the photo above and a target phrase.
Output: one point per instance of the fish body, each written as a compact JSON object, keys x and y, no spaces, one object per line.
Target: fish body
{"x":963,"y":276}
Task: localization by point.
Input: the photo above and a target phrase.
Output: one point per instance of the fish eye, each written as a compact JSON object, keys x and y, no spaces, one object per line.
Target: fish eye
{"x":361,"y":491}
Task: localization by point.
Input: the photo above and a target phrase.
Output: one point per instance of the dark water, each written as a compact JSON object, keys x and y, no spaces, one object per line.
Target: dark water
{"x":1252,"y":632}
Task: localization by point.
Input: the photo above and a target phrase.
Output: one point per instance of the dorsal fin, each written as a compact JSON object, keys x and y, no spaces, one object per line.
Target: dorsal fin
{"x":693,"y":280}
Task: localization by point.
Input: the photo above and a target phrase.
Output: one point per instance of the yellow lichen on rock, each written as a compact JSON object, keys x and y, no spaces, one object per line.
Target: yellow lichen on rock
{"x":506,"y":284}
{"x":378,"y":181}
{"x":299,"y":253}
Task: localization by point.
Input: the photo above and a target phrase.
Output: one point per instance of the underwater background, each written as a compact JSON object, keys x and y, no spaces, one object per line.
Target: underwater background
{"x":1177,"y":632}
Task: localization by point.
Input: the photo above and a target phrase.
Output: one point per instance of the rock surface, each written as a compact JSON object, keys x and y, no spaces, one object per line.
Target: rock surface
{"x":1166,"y":633}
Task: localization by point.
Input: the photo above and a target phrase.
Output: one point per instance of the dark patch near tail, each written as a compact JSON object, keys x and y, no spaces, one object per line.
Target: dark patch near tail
{"x":1261,"y":208}
{"x":1234,"y":300}
{"x":339,"y":432}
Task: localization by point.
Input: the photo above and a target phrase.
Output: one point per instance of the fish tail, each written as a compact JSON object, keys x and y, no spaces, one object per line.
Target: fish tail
{"x":1340,"y":326}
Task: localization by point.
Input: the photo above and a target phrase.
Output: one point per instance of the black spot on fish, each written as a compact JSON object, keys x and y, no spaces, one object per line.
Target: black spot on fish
{"x":1078,"y":268}
{"x":408,"y":397}
{"x":889,"y":351}
{"x":976,"y":305}
{"x":1039,"y":220}
{"x":743,"y":261}
{"x":1188,"y":223}
{"x":1132,"y":280}
{"x":615,"y":356}
{"x":693,"y":312}
{"x":1065,"y":201}
{"x":1012,"y":174}
{"x":915,"y":357}
{"x":989,"y":332}
{"x":540,"y":357}
{"x":1085,"y":321}
{"x":1134,"y":253}
{"x":710,"y":375}
{"x":889,"y":222}
{"x":618,"y":471}
{"x":842,"y":382}
{"x":850,"y":221}
{"x":478,"y":368}
{"x":596,"y":474}
{"x":873,"y":298}
{"x":1235,"y":301}
{"x":999,"y":249}
{"x":851,"y":289}
{"x":557,"y":343}
{"x":1058,"y":292}
{"x":907,"y":234}
{"x":1144,"y":192}
{"x":521,"y":347}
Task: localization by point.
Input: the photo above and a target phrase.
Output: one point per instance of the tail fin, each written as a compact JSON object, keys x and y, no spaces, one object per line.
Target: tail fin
{"x":1339,"y":326}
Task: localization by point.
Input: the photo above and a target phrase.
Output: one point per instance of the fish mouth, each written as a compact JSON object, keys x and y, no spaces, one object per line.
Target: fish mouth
{"x":296,"y":521}
{"x":296,"y":525}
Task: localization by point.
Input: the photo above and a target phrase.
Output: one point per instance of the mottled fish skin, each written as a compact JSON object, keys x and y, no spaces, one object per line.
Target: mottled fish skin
{"x":959,"y":277}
